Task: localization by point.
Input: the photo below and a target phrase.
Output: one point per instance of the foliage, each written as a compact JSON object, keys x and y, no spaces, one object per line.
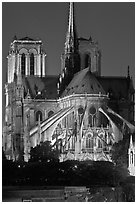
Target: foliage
{"x":119,"y":152}
{"x":43,"y":153}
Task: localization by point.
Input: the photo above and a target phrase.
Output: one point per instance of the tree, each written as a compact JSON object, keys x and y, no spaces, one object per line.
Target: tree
{"x":119,"y":152}
{"x":43,"y":153}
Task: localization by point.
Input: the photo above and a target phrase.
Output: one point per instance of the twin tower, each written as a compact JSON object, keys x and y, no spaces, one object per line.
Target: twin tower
{"x":27,"y":57}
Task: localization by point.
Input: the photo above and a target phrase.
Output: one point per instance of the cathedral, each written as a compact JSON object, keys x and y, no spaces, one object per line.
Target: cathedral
{"x":80,"y":112}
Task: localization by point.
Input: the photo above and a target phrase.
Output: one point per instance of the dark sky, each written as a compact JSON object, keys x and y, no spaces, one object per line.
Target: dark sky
{"x":111,"y":24}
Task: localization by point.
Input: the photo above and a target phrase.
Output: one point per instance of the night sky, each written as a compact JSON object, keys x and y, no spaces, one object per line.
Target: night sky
{"x":111,"y":24}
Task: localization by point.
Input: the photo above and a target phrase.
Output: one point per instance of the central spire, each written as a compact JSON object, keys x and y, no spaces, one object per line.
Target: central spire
{"x":70,"y":59}
{"x":71,"y":44}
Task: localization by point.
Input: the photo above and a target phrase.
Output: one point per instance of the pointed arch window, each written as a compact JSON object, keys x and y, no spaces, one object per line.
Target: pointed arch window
{"x":23,"y":60}
{"x":89,"y":141}
{"x":99,"y":143}
{"x":87,"y":60}
{"x":38,"y":116}
{"x":92,"y":116}
{"x":80,"y":114}
{"x":32,"y":64}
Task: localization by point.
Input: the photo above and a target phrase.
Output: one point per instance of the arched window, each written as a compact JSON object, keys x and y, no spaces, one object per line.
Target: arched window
{"x":23,"y":59}
{"x":80,"y":114}
{"x":87,"y":61}
{"x":32,"y":64}
{"x":89,"y":141}
{"x":38,"y":116}
{"x":99,"y":143}
{"x":50,"y":113}
{"x":92,"y":116}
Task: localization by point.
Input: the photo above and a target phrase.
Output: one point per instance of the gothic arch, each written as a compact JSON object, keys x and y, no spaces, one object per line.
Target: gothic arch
{"x":34,"y":51}
{"x":38,"y":115}
{"x":23,"y":50}
{"x":80,"y":113}
{"x":89,"y":141}
{"x":92,"y":116}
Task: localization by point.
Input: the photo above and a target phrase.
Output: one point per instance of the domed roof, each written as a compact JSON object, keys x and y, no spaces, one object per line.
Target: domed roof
{"x":84,"y":82}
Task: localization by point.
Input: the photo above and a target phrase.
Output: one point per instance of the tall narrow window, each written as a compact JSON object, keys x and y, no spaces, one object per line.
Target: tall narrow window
{"x":80,"y":114}
{"x":89,"y":141}
{"x":87,"y":61}
{"x":38,"y":116}
{"x":32,"y":64}
{"x":92,"y":116}
{"x":23,"y":64}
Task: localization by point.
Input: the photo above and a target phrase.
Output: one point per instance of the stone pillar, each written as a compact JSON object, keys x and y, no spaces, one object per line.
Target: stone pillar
{"x":43,"y":65}
{"x":27,"y":64}
{"x":12,"y":66}
{"x":19,"y":69}
{"x":35,"y":65}
{"x":9,"y":74}
{"x":17,"y":64}
{"x":39,"y":65}
{"x":129,"y":161}
{"x":8,"y":69}
{"x":6,"y":93}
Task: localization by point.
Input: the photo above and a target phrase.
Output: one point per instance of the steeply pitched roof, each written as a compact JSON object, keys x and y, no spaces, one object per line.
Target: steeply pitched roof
{"x":118,"y":86}
{"x":84,"y":82}
{"x":46,"y":85}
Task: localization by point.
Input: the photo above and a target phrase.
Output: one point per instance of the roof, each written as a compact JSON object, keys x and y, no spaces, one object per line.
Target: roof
{"x":84,"y":82}
{"x":41,"y":87}
{"x":117,"y":86}
{"x":27,"y":38}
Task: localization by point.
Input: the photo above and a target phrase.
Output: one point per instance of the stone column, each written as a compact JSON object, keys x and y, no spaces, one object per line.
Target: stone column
{"x":43,"y":65}
{"x":39,"y":65}
{"x":35,"y":65}
{"x":19,"y":68}
{"x":12,"y":66}
{"x":27,"y":64}
{"x":8,"y":58}
{"x":17,"y":64}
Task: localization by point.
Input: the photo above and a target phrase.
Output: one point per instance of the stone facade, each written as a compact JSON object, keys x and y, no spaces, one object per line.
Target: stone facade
{"x":72,"y":110}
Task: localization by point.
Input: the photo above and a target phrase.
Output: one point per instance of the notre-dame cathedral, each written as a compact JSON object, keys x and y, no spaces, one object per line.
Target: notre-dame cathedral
{"x":81,"y":112}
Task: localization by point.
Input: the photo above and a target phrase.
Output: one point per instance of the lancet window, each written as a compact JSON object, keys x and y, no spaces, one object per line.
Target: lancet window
{"x":32,"y":64}
{"x":23,"y":59}
{"x":92,"y":116}
{"x":89,"y":142}
{"x":38,"y":116}
{"x":80,"y":114}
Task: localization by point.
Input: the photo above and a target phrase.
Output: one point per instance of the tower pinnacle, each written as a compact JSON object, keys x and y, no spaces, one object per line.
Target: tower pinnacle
{"x":71,"y":44}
